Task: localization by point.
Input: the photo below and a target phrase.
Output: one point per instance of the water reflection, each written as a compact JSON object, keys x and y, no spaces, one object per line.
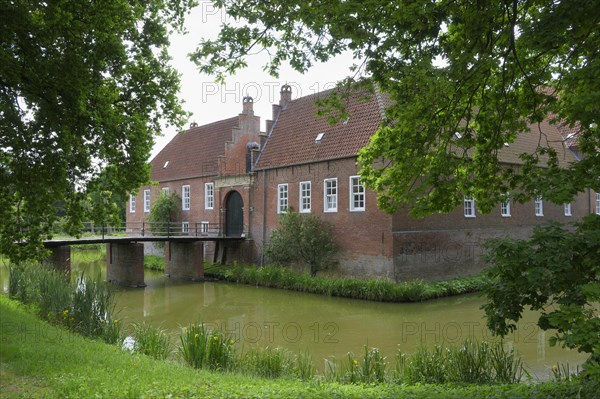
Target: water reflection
{"x":322,"y":325}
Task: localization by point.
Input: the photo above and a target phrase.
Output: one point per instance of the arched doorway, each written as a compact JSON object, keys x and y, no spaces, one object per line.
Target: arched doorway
{"x":234,"y":215}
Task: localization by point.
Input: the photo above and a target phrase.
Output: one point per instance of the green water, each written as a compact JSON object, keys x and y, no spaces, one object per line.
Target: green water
{"x":324,"y":326}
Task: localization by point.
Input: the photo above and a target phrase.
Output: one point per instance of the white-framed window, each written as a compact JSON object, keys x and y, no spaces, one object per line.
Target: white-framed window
{"x":185,"y":197}
{"x":505,"y":207}
{"x":146,"y":200}
{"x":185,"y":227}
{"x":209,"y":195}
{"x":357,"y":194}
{"x":204,"y":227}
{"x":568,"y":209}
{"x":305,"y":196}
{"x":330,"y":194}
{"x":469,"y":207}
{"x":165,"y":190}
{"x":597,"y":203}
{"x":131,"y":203}
{"x":539,"y":206}
{"x":282,"y":198}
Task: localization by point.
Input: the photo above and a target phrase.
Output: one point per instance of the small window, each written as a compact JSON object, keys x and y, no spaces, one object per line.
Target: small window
{"x":204,"y":227}
{"x":319,"y":138}
{"x":505,"y":209}
{"x":131,"y":203}
{"x":146,"y":200}
{"x":568,"y":210}
{"x":165,"y":190}
{"x":469,"y":207}
{"x":282,"y":198}
{"x":305,"y":197}
{"x":185,"y":227}
{"x":209,"y":195}
{"x":165,"y":165}
{"x":357,"y":194}
{"x":597,"y":203}
{"x":185,"y":197}
{"x":539,"y":206}
{"x":330,"y":192}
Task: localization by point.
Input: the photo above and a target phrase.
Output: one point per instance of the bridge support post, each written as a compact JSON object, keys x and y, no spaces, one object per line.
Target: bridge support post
{"x":125,"y":264}
{"x":185,"y":260}
{"x":60,"y":258}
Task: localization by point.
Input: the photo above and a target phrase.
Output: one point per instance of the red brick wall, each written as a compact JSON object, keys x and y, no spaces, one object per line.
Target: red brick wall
{"x":364,"y":238}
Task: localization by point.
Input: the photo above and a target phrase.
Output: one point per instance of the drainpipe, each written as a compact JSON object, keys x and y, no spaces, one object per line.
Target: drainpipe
{"x":264,"y":215}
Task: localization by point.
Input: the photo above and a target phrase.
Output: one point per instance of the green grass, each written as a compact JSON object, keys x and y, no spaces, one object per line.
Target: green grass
{"x":154,"y":262}
{"x":374,"y":289}
{"x":152,"y":341}
{"x":39,"y":360}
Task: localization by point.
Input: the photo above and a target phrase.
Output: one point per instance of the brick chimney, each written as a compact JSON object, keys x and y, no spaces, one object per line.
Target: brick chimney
{"x":286,"y":95}
{"x":248,"y":103}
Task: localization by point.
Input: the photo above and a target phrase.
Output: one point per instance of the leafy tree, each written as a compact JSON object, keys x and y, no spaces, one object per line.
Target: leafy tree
{"x":556,"y":272}
{"x":83,"y":85}
{"x":163,"y":212}
{"x":303,"y":239}
{"x":484,"y":69}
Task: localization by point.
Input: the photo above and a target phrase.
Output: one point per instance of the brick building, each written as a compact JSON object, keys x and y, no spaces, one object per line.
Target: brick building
{"x":231,"y":176}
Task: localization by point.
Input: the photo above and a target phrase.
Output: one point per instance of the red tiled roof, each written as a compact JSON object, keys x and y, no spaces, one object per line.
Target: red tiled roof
{"x":194,"y":152}
{"x":292,"y":140}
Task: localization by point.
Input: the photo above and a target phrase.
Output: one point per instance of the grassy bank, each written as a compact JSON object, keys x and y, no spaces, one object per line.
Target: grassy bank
{"x":154,"y":262}
{"x":40,"y":360}
{"x":374,"y":289}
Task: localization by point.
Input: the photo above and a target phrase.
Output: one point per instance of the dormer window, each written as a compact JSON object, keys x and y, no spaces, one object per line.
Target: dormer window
{"x":319,"y":138}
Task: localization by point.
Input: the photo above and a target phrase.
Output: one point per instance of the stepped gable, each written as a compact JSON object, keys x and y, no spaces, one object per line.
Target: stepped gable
{"x":293,"y":139}
{"x":193,"y":153}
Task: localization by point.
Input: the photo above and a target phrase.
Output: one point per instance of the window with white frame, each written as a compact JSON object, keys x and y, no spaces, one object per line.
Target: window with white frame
{"x":165,"y":190}
{"x":146,"y":200}
{"x":568,"y":209}
{"x":131,"y":203}
{"x":505,"y":207}
{"x":185,"y":197}
{"x":204,"y":227}
{"x":185,"y":227}
{"x":357,"y":194}
{"x":282,"y":198}
{"x":305,"y":196}
{"x":209,"y":195}
{"x":597,"y":203}
{"x":469,"y":207}
{"x":539,"y":206}
{"x":330,"y":195}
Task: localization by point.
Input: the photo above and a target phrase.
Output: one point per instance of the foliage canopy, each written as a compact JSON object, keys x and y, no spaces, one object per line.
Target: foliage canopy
{"x":84,"y":86}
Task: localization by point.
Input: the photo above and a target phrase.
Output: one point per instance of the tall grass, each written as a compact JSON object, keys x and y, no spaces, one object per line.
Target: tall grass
{"x":154,"y":262}
{"x":472,"y":362}
{"x":202,"y":348}
{"x":151,"y":341}
{"x":84,"y":306}
{"x":382,"y":290}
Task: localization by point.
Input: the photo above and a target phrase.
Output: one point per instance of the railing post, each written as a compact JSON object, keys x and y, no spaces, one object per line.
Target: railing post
{"x":103,"y":228}
{"x":143,"y":228}
{"x":169,"y":229}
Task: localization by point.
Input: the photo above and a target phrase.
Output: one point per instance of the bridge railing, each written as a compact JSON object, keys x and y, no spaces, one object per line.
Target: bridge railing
{"x":154,"y":229}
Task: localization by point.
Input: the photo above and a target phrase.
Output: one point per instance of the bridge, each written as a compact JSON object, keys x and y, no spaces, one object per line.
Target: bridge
{"x":184,"y":249}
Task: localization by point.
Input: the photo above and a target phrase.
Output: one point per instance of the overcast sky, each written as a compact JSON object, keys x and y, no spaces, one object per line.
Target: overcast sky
{"x":209,"y":102}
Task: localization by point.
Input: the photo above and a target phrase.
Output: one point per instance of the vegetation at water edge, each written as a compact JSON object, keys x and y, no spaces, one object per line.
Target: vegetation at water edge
{"x":348,"y":287}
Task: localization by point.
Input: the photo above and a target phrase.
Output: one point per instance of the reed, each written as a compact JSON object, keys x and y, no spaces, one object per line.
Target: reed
{"x":84,"y":306}
{"x":151,"y":341}
{"x":382,"y":290}
{"x":267,"y":362}
{"x":201,"y":348}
